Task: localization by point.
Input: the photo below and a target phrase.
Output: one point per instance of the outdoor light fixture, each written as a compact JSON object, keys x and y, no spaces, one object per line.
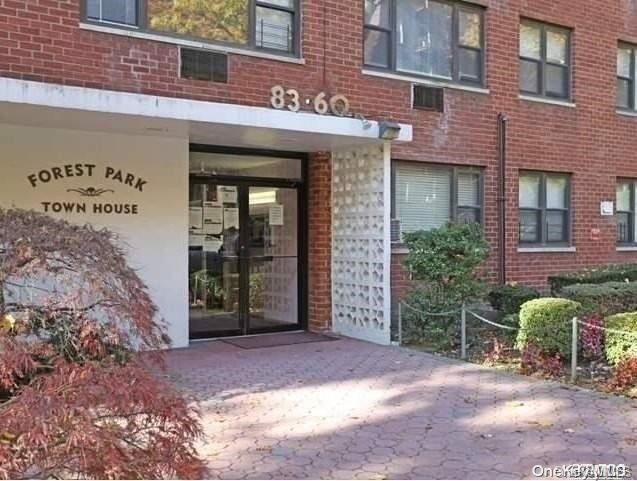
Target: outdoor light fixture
{"x":388,"y":130}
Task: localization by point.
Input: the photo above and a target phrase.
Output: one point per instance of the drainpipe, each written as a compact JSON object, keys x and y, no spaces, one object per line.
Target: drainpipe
{"x":501,"y":199}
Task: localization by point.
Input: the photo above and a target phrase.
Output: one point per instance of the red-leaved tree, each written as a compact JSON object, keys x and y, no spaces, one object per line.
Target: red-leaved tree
{"x":75,"y":398}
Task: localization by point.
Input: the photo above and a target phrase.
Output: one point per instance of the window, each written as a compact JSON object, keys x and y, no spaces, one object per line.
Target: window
{"x":260,"y":24}
{"x":544,"y":60}
{"x":431,"y":38}
{"x":114,"y":11}
{"x":626,"y":211}
{"x":626,"y":67}
{"x":544,"y":208}
{"x":427,"y":196}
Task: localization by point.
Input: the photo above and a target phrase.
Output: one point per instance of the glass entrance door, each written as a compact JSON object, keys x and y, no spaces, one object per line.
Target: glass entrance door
{"x":243,"y":258}
{"x":272,"y":258}
{"x":214,"y":262}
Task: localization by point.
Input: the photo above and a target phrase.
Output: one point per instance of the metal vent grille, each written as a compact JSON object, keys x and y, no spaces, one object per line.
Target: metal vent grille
{"x":429,"y":98}
{"x":395,"y":230}
{"x":202,"y":65}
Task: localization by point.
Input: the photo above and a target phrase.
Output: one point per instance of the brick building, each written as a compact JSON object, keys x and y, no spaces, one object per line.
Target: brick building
{"x":262,"y":157}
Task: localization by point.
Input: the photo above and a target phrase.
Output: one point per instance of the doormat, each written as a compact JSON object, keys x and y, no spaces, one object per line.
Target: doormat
{"x":273,"y":340}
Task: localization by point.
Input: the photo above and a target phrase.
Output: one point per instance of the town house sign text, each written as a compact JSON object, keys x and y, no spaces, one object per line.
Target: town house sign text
{"x":96,"y":174}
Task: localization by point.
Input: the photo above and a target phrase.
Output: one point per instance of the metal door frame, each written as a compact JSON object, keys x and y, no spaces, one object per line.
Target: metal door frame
{"x":243,"y":185}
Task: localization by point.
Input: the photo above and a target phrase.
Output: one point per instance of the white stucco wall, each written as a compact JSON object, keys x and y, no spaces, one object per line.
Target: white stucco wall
{"x":156,"y":238}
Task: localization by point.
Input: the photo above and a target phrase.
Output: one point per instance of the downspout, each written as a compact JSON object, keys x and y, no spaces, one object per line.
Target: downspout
{"x":501,"y":199}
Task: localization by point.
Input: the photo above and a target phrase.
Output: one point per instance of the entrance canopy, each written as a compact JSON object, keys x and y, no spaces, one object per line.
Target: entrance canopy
{"x":121,"y":160}
{"x":42,"y":105}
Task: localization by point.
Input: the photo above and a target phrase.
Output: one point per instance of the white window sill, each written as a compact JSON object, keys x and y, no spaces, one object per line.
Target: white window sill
{"x":626,"y":113}
{"x":626,"y":248}
{"x":399,"y":249}
{"x":421,"y":81}
{"x":188,"y":43}
{"x":544,"y":100}
{"x":546,"y":249}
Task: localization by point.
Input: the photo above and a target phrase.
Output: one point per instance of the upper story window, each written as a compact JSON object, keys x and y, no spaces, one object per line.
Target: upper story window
{"x":545,"y":60}
{"x":427,"y":196}
{"x":544,"y":200}
{"x":259,"y":24}
{"x":626,"y":76}
{"x":433,"y":38}
{"x":112,"y":11}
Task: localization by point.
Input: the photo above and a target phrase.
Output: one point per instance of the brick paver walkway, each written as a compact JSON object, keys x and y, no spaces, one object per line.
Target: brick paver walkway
{"x":348,"y":409}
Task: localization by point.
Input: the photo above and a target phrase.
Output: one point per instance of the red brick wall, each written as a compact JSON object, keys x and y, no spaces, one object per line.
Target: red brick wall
{"x":41,"y":40}
{"x":320,"y":241}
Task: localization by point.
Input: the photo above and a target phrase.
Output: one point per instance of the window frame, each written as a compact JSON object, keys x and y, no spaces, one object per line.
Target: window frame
{"x":453,"y":191}
{"x":542,"y":210}
{"x":632,"y":103}
{"x":632,"y":238}
{"x":542,"y":62}
{"x":457,"y":6}
{"x":142,"y":26}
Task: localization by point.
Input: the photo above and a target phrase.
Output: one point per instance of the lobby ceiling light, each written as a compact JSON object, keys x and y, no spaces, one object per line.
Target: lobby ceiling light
{"x":260,"y":198}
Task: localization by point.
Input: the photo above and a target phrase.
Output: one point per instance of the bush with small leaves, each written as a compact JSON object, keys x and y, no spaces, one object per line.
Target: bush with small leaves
{"x":621,"y":337}
{"x":445,"y":263}
{"x":546,"y":323}
{"x":509,"y":298}
{"x":603,"y":299}
{"x":600,"y":275}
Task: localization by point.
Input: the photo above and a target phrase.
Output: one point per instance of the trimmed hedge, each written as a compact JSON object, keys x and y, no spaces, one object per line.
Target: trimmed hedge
{"x":509,"y":298}
{"x":545,"y":323}
{"x":621,"y":346}
{"x":603,"y":299}
{"x":612,"y":273}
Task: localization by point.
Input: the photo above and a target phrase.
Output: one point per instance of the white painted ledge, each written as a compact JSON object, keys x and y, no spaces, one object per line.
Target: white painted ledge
{"x":421,"y":81}
{"x":626,"y":248}
{"x":126,"y":103}
{"x":546,"y":249}
{"x":132,"y":33}
{"x":544,"y":100}
{"x":626,"y":113}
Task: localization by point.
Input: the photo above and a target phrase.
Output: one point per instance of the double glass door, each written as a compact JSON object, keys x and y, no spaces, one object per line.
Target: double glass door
{"x":243,"y":258}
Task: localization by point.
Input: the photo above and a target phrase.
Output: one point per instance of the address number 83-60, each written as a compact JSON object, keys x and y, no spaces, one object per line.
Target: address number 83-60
{"x":281,"y":98}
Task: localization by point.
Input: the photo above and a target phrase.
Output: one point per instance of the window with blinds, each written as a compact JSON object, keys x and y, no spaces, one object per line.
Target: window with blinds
{"x":544,"y":202}
{"x":428,"y":196}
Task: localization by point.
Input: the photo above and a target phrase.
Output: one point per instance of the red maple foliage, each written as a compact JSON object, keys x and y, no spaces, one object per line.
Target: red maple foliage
{"x":534,"y":359}
{"x":625,"y":375}
{"x":75,"y":398}
{"x":592,"y":336}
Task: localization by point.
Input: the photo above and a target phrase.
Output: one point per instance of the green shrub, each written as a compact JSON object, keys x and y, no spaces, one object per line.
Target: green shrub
{"x":438,"y":330}
{"x":449,"y":257}
{"x":611,"y":273}
{"x":445,"y":264}
{"x":621,"y":346}
{"x":603,"y":299}
{"x":546,"y":324}
{"x":509,"y":298}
